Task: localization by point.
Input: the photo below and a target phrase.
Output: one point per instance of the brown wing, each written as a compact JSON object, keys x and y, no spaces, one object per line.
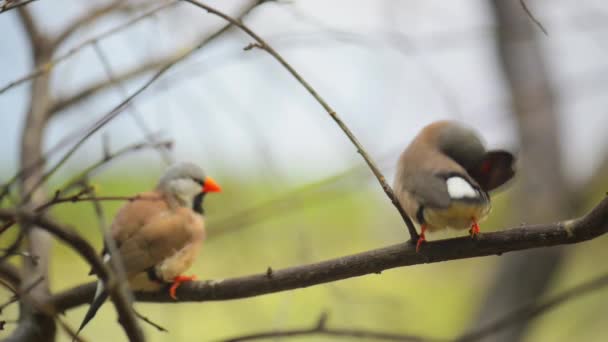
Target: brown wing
{"x":156,"y":241}
{"x":136,"y":214}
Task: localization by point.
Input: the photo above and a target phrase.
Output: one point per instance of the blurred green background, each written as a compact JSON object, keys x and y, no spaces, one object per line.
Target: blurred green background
{"x":336,"y":218}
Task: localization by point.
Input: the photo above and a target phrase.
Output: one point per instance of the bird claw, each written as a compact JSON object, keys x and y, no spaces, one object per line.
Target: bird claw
{"x":421,"y":238}
{"x":177,"y":281}
{"x":474,"y":231}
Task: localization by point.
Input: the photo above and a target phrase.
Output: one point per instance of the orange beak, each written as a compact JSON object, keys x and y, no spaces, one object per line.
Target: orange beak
{"x":211,"y":186}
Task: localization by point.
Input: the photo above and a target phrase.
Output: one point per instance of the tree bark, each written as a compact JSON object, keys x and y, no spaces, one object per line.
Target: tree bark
{"x":33,"y":324}
{"x":541,"y":195}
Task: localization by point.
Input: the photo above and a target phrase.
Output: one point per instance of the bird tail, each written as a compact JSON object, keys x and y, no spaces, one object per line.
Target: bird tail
{"x":100,"y":296}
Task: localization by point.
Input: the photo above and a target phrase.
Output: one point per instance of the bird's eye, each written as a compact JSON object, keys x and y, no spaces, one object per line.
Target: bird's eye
{"x":199,"y":181}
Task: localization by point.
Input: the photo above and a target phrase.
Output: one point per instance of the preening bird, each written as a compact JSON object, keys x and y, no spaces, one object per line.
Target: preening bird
{"x":444,"y":176}
{"x":158,"y":235}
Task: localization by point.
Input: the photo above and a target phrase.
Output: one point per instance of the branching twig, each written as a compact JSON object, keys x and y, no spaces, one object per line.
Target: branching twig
{"x":263,"y":45}
{"x":150,"y":322}
{"x":89,"y":17}
{"x":87,"y":172}
{"x":81,"y":246}
{"x":532,"y":17}
{"x":12,"y":4}
{"x":375,"y":261}
{"x":42,"y":69}
{"x":534,"y":310}
{"x":164,"y":153}
{"x":320,"y":328}
{"x":18,"y":294}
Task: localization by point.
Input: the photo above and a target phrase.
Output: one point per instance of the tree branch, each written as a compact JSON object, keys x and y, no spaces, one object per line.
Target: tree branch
{"x":12,"y":4}
{"x":86,"y":19}
{"x":261,"y":43}
{"x":588,"y":227}
{"x":321,"y":329}
{"x":43,"y":69}
{"x":125,"y":312}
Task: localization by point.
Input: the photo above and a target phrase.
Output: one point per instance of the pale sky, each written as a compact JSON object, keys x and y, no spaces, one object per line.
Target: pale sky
{"x":387,"y":67}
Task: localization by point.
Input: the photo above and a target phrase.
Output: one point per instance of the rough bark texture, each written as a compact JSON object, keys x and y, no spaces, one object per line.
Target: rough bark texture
{"x":542,"y":194}
{"x":33,"y":324}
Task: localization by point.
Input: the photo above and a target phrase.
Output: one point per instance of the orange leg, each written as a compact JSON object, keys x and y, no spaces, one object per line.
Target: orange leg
{"x":177,"y":281}
{"x":474,"y":228}
{"x":421,"y":238}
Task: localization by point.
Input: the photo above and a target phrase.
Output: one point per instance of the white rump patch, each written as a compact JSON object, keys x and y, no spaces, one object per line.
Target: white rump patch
{"x":458,"y":187}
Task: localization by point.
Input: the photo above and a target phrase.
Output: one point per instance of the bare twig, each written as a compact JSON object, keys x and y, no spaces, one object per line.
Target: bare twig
{"x":532,"y":17}
{"x":320,"y":328}
{"x":8,"y":252}
{"x":164,"y":153}
{"x":535,"y":309}
{"x":43,"y":69}
{"x":150,"y":322}
{"x":12,"y":4}
{"x":89,"y":17}
{"x":262,"y":44}
{"x":87,"y":172}
{"x":375,"y":261}
{"x":125,"y":103}
{"x":125,"y":312}
{"x":18,"y":294}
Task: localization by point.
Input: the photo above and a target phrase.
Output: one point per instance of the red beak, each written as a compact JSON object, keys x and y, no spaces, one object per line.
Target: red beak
{"x":211,"y":186}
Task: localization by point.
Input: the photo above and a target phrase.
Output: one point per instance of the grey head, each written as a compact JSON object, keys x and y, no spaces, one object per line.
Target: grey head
{"x":490,"y":169}
{"x":460,"y":143}
{"x":183,"y":182}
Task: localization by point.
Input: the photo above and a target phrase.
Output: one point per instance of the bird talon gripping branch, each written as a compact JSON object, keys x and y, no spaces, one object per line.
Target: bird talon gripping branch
{"x":474,"y":231}
{"x":177,"y":282}
{"x":421,"y":238}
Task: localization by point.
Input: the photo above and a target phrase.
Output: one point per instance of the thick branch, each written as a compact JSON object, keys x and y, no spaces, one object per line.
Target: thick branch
{"x":588,"y":227}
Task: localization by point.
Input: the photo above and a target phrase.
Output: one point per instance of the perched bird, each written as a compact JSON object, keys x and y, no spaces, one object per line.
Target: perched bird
{"x":444,"y":176}
{"x":159,"y":233}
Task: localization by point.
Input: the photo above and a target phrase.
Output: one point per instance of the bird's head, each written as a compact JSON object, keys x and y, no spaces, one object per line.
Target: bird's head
{"x":187,"y":184}
{"x":490,"y":169}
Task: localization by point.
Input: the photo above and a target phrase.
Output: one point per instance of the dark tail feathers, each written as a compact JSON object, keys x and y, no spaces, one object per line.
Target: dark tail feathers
{"x":100,"y":296}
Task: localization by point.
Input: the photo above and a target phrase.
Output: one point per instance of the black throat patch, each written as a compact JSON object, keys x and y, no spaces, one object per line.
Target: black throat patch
{"x":197,"y":203}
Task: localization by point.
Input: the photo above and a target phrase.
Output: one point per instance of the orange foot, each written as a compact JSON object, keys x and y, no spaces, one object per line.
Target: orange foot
{"x":421,"y":238}
{"x":177,"y":281}
{"x":474,"y":228}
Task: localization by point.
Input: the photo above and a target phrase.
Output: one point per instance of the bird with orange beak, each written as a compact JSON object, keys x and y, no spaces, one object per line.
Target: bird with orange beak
{"x":445,"y":175}
{"x":159,"y":234}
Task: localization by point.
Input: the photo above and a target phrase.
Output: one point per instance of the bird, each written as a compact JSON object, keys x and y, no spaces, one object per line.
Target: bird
{"x":159,"y":233}
{"x":444,"y":177}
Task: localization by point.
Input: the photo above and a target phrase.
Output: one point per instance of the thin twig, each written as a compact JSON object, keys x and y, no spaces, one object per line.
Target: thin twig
{"x":88,"y":171}
{"x":320,"y":328}
{"x":139,"y":121}
{"x":532,"y":17}
{"x":535,"y":309}
{"x":18,"y":294}
{"x":12,"y":4}
{"x":125,"y":312}
{"x":126,"y":102}
{"x":150,"y":322}
{"x":43,"y":69}
{"x":8,"y":252}
{"x":263,"y":45}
